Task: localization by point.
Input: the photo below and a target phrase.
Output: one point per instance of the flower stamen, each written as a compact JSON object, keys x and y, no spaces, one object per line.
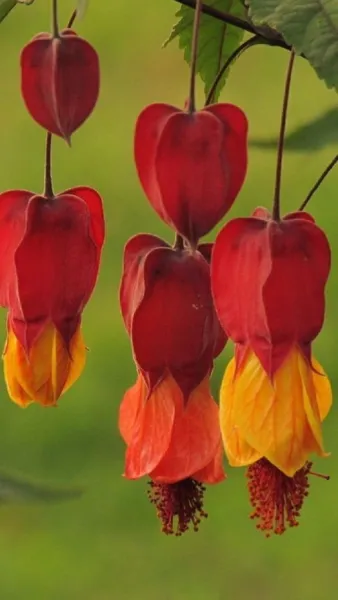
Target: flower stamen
{"x":276,"y":498}
{"x":178,"y":505}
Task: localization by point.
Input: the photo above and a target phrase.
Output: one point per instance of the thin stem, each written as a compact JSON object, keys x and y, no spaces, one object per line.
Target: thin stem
{"x":256,"y":39}
{"x":55,"y":25}
{"x":271,"y":36}
{"x":276,"y":202}
{"x":72,"y":19}
{"x":319,"y":181}
{"x":194,"y":54}
{"x":48,"y":192}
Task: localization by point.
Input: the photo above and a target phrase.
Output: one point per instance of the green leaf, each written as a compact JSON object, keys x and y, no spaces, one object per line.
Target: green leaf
{"x":217,"y":40}
{"x":81,"y":8}
{"x":5,"y":8}
{"x":18,"y":489}
{"x":310,"y":26}
{"x":315,"y":135}
{"x":7,"y":5}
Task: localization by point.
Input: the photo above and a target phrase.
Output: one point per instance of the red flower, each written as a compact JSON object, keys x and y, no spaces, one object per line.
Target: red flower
{"x":268,"y":280}
{"x":60,"y":81}
{"x":191,"y":165}
{"x":50,"y":253}
{"x":169,"y":420}
{"x":168,"y":311}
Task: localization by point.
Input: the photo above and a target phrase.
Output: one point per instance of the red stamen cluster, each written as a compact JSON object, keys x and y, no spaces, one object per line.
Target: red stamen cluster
{"x":276,"y":499}
{"x":178,"y":505}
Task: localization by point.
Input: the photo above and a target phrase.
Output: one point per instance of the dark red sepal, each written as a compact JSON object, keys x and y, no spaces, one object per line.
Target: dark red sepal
{"x":168,"y":311}
{"x":191,"y":165}
{"x":268,"y":282}
{"x":50,"y":267}
{"x":60,"y":81}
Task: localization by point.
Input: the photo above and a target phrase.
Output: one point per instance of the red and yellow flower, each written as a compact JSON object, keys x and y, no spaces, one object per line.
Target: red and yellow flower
{"x":268,"y":280}
{"x":50,"y":254}
{"x":169,"y":419}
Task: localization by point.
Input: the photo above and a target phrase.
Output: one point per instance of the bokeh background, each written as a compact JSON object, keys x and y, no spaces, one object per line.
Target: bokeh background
{"x":108,"y":545}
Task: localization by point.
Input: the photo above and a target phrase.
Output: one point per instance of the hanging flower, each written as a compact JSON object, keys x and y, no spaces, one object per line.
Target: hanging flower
{"x":268,"y":280}
{"x":50,"y":252}
{"x":60,"y":81}
{"x":191,"y":165}
{"x":169,"y":419}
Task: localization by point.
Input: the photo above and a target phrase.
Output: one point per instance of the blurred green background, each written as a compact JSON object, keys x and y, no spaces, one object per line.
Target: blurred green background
{"x":108,"y":544}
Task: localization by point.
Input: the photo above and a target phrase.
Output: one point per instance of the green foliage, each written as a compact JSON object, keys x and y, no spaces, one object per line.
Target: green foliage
{"x":7,"y":5}
{"x":15,"y":488}
{"x":5,"y":8}
{"x":310,"y":27}
{"x":217,"y":40}
{"x":314,"y":135}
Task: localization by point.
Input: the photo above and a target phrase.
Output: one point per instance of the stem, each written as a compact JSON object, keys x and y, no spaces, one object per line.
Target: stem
{"x":271,"y":36}
{"x":55,"y":26}
{"x":276,"y":202}
{"x":256,"y":39}
{"x":72,"y":19}
{"x":319,"y":182}
{"x":48,"y":192}
{"x":194,"y":53}
{"x":221,"y":16}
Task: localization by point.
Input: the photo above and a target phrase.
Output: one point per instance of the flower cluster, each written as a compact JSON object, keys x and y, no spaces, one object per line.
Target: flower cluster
{"x":50,"y":244}
{"x":260,"y":285}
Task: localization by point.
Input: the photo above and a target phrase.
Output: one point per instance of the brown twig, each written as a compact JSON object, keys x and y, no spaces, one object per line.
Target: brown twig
{"x":271,"y":37}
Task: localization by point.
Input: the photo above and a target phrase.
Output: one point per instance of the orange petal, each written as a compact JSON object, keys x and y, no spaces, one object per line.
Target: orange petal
{"x":213,"y":472}
{"x":49,"y":369}
{"x":152,"y":428}
{"x":277,"y":417}
{"x":238,"y":451}
{"x":323,"y":389}
{"x":130,"y":408}
{"x":195,"y":436}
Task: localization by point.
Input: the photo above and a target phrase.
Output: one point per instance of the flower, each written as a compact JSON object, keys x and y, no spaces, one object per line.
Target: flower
{"x":168,"y":311}
{"x":169,"y":419}
{"x":191,"y":165}
{"x":50,"y":253}
{"x":176,"y":442}
{"x":60,"y":81}
{"x":268,"y":281}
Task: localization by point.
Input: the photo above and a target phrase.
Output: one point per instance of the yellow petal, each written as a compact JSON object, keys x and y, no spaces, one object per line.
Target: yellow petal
{"x":238,"y":451}
{"x":280,"y":419}
{"x":322,"y":388}
{"x":49,"y":369}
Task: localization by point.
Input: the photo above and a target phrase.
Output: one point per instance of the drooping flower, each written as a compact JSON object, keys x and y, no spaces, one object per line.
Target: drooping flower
{"x":60,"y":81}
{"x":169,"y":419}
{"x":191,"y":165}
{"x":268,"y":281}
{"x":175,"y":442}
{"x":168,"y":311}
{"x":49,"y":259}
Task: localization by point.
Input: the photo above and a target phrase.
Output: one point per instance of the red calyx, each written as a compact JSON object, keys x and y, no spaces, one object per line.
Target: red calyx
{"x":60,"y":81}
{"x":191,"y":165}
{"x":168,"y":311}
{"x":268,"y":282}
{"x":49,"y":259}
